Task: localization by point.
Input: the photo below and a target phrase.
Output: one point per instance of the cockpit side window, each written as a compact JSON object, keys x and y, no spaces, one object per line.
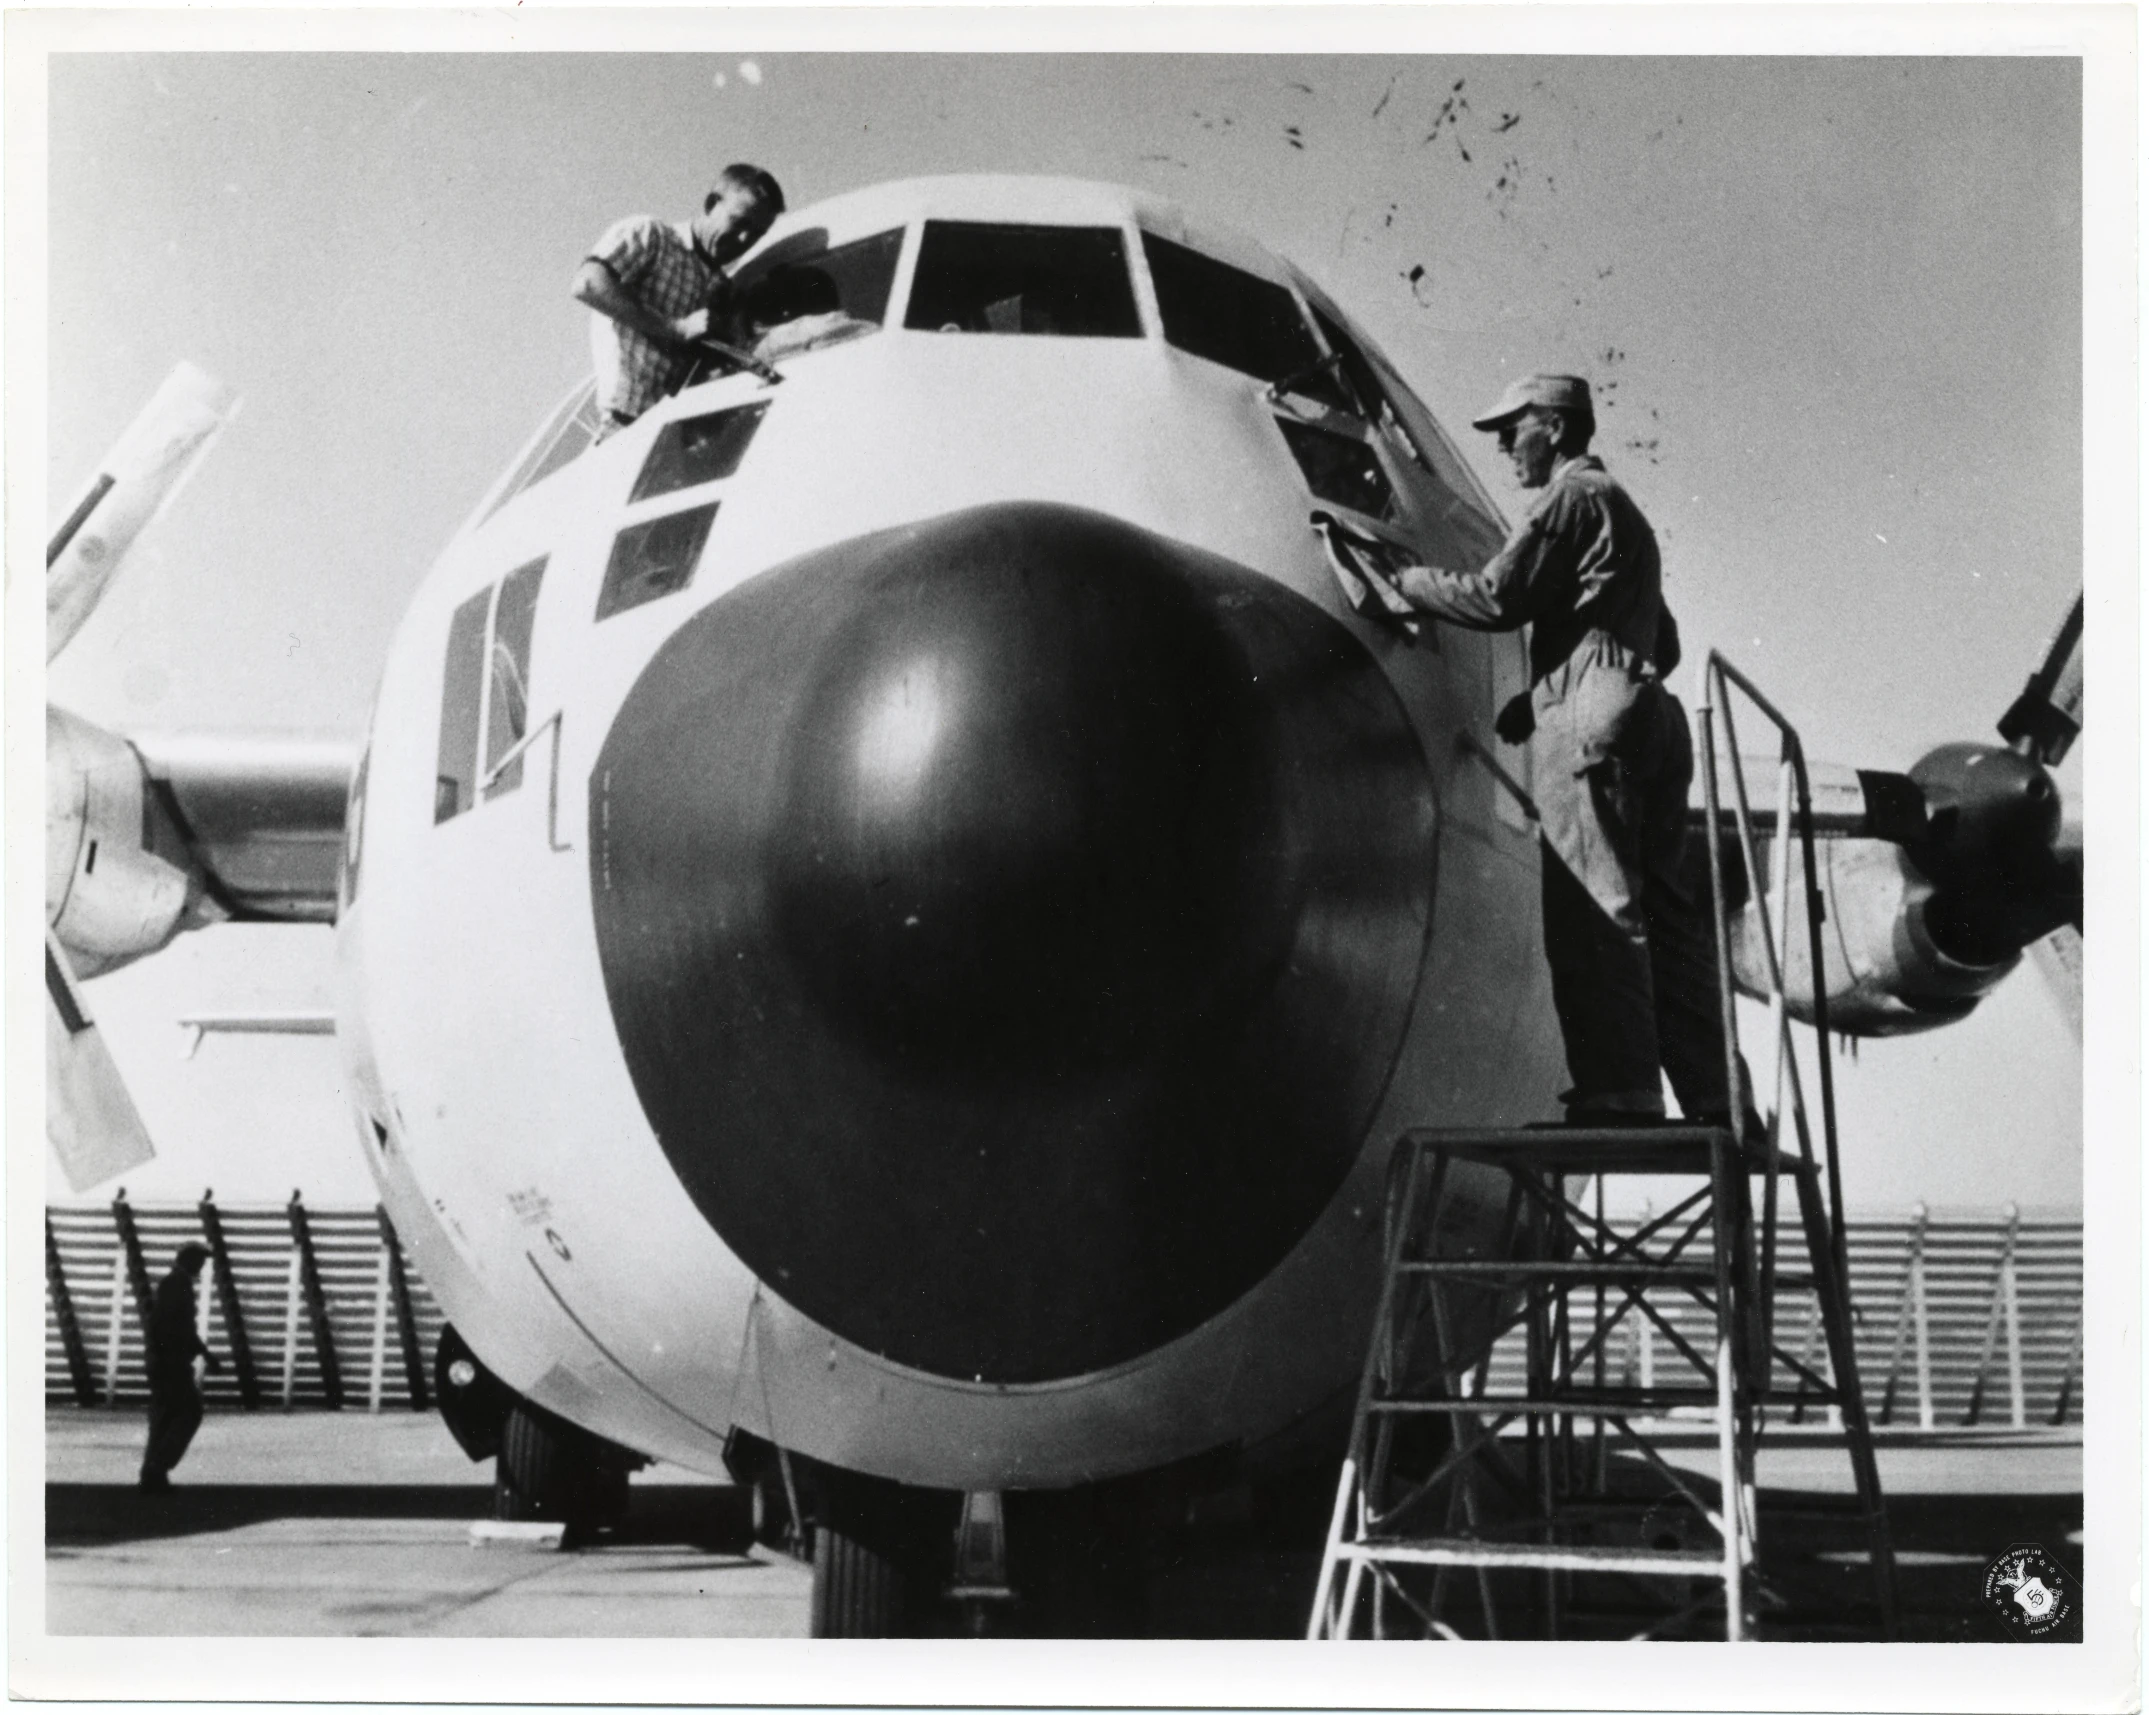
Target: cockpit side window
{"x":1432,"y":470}
{"x":485,"y":688}
{"x":507,"y":701}
{"x":1368,"y":398}
{"x":1340,"y":468}
{"x":1237,"y":319}
{"x":455,"y":774}
{"x":978,"y":277}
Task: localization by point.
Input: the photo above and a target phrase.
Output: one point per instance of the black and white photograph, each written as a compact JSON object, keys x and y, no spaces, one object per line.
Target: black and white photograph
{"x":1096,"y":840}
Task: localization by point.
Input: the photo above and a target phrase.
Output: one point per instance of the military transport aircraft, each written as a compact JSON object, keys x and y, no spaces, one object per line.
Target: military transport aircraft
{"x":889,"y":912}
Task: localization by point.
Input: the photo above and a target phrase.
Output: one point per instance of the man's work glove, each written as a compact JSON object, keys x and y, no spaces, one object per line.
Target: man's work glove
{"x":1516,"y":719}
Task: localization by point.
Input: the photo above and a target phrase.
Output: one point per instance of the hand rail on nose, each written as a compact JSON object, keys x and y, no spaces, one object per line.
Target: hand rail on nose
{"x":554,"y":721}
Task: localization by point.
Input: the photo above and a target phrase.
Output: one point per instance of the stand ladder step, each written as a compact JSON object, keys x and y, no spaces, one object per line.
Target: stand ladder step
{"x":1488,"y":1483}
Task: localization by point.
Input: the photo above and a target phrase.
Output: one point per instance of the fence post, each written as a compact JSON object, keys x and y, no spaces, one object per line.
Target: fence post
{"x":63,"y":1309}
{"x":2011,"y":1290}
{"x":2074,"y":1367}
{"x":1995,"y":1313}
{"x":379,"y":1368}
{"x":201,"y":1333}
{"x":227,"y":1295}
{"x":324,"y":1334}
{"x":406,"y":1318}
{"x":114,"y":1328}
{"x":1806,"y":1344}
{"x":1924,"y":1329}
{"x":1912,"y":1295}
{"x":130,"y":1245}
{"x":290,"y":1327}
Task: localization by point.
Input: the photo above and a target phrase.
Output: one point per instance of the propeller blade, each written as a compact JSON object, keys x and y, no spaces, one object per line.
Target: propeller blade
{"x":142,"y":473}
{"x":2046,"y":718}
{"x":89,"y":1116}
{"x":2058,"y":958}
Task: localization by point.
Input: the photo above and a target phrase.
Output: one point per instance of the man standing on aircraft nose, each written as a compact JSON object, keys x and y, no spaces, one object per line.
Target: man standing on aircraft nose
{"x":1628,"y":934}
{"x":654,"y":287}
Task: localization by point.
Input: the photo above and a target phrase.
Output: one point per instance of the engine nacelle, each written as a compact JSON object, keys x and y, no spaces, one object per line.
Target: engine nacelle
{"x":119,"y":881}
{"x":1883,"y":972}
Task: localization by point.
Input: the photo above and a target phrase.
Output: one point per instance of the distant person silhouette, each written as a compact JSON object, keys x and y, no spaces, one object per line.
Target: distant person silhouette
{"x":173,"y":1344}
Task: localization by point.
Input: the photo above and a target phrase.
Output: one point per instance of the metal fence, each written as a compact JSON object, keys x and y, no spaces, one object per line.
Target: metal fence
{"x":1962,"y":1319}
{"x":306,"y":1307}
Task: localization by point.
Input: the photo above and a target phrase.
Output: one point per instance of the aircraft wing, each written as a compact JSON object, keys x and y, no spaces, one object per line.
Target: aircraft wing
{"x":263,"y":818}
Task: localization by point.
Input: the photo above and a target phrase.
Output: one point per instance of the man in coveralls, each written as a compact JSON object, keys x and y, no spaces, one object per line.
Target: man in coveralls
{"x":1628,"y":931}
{"x":173,"y":1343}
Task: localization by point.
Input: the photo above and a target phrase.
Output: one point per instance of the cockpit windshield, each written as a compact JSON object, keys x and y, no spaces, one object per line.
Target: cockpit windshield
{"x":803,"y":293}
{"x":1237,"y":319}
{"x":804,"y":274}
{"x":979,"y":277}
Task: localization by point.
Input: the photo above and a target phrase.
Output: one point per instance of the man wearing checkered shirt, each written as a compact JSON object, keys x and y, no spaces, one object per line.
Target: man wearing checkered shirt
{"x":654,"y":286}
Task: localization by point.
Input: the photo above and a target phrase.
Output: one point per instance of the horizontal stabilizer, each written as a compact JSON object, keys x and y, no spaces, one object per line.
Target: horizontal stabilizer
{"x":255,"y":1024}
{"x":89,"y":1116}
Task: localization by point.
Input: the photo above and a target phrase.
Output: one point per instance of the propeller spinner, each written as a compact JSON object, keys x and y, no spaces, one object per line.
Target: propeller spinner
{"x":1983,"y":822}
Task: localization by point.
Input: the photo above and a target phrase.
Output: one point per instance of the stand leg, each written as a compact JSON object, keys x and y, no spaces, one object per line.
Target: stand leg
{"x":1833,"y":1291}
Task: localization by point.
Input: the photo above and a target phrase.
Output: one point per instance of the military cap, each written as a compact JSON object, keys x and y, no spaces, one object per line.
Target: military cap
{"x":1551,"y":392}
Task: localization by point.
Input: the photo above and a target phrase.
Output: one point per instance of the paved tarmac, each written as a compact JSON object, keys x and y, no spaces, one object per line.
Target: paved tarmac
{"x":325,"y":1524}
{"x":320,"y":1524}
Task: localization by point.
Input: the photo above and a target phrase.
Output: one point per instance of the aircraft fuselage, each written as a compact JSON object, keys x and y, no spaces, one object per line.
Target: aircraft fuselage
{"x":973,"y":905}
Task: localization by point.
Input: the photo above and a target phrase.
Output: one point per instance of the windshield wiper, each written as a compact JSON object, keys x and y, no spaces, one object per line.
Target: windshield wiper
{"x":737,"y":359}
{"x":1292,"y":383}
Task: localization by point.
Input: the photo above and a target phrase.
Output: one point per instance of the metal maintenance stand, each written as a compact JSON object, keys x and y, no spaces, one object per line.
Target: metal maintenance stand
{"x":1515,"y":1520}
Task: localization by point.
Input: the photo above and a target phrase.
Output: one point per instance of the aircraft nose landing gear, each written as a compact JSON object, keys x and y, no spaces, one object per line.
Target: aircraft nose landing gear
{"x":549,"y":1469}
{"x":981,"y":1591}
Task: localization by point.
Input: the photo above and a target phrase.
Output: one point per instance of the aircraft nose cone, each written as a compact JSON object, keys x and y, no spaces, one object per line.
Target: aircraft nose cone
{"x":1010,"y":922}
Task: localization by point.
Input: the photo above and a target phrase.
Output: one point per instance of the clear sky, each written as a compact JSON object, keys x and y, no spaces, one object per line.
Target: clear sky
{"x":1833,"y":309}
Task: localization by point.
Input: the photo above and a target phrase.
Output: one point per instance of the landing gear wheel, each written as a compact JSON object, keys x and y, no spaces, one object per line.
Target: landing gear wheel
{"x":548,"y":1469}
{"x":857,"y":1591}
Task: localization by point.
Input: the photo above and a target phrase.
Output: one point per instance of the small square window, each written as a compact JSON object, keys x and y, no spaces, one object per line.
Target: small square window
{"x":695,"y":450}
{"x":1340,"y":469}
{"x":654,"y":559}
